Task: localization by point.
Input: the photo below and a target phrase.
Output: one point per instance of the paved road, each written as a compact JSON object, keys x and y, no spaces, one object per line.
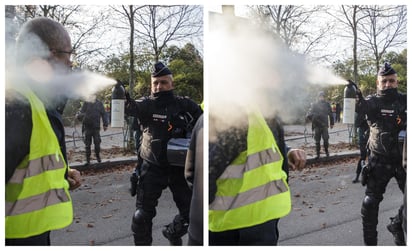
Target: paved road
{"x":326,"y":210}
{"x":103,"y":212}
{"x":326,"y":205}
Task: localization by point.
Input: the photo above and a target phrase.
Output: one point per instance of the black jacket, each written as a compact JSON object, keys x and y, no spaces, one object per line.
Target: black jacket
{"x":90,"y":114}
{"x":19,"y":125}
{"x":162,"y":116}
{"x":319,"y":113}
{"x":386,"y":117}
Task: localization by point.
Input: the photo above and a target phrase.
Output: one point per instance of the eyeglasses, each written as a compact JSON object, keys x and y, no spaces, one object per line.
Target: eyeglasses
{"x":72,"y":53}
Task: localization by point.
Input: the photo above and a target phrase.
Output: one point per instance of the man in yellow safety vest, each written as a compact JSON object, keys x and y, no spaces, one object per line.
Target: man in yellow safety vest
{"x":248,"y":189}
{"x":38,"y":178}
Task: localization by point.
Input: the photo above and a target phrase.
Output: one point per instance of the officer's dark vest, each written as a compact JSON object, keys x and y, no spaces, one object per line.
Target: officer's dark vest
{"x":386,"y":120}
{"x":157,"y":127}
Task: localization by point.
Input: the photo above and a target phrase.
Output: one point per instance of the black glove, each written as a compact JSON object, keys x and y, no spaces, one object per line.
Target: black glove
{"x":127,"y":95}
{"x":359,"y":94}
{"x":352,"y":83}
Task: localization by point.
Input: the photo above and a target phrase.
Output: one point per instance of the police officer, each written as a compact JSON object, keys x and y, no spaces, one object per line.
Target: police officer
{"x":90,"y":114}
{"x":318,"y":114}
{"x":162,"y":116}
{"x":386,"y":116}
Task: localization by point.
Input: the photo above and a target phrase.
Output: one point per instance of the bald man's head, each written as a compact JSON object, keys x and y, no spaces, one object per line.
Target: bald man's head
{"x":41,"y":36}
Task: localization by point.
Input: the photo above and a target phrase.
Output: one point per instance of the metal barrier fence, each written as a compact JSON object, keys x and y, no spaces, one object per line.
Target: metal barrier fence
{"x":307,"y":134}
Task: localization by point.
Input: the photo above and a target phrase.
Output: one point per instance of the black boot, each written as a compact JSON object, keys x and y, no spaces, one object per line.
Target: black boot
{"x":175,"y":230}
{"x":356,"y":180}
{"x":326,"y":146}
{"x":97,"y":152}
{"x":88,"y":153}
{"x":395,"y":227}
{"x":317,"y":151}
{"x":87,"y":160}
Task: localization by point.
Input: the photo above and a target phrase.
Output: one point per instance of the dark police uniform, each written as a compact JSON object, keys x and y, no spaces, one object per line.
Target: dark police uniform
{"x":162,"y":116}
{"x":90,"y":114}
{"x":318,"y":114}
{"x":386,"y":116}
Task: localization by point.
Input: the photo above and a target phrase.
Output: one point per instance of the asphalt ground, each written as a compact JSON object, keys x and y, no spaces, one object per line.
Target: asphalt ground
{"x":326,"y":204}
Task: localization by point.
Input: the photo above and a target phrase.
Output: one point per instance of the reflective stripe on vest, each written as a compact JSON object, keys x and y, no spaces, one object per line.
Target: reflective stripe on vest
{"x":37,"y":195}
{"x":253,"y":189}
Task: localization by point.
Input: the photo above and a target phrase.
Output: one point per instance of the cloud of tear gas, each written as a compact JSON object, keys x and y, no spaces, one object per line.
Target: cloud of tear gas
{"x":248,"y":67}
{"x":28,"y":67}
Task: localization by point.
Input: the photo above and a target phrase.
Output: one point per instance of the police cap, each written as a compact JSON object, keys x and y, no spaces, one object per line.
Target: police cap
{"x":159,"y":69}
{"x":386,"y":70}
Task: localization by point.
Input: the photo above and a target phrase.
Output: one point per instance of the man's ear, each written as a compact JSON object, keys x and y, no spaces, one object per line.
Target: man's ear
{"x":39,"y":70}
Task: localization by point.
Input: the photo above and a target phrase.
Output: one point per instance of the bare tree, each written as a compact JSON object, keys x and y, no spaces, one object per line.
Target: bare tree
{"x":157,"y":26}
{"x":383,"y":28}
{"x":85,"y":26}
{"x":352,"y":15}
{"x":299,"y":27}
{"x":129,"y":13}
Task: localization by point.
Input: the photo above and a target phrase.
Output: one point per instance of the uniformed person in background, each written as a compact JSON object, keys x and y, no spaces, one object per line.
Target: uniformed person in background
{"x":386,"y":116}
{"x":320,"y":114}
{"x":91,"y":113}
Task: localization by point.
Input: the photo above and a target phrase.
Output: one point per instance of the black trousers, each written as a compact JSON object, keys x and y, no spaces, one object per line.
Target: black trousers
{"x":382,"y":170}
{"x":154,"y":179}
{"x":38,"y":240}
{"x":321,"y":133}
{"x":265,"y":234}
{"x":89,"y":136}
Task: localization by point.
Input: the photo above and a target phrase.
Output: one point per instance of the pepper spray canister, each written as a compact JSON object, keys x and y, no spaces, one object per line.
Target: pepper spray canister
{"x":349,"y":103}
{"x":118,"y":100}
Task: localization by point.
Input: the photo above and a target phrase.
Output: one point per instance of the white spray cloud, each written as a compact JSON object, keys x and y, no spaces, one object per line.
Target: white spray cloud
{"x":48,"y":83}
{"x":248,"y":67}
{"x":49,"y":79}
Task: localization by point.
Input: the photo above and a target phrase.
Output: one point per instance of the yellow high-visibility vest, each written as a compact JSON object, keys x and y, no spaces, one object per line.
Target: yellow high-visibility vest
{"x":37,"y":195}
{"x":253,"y":188}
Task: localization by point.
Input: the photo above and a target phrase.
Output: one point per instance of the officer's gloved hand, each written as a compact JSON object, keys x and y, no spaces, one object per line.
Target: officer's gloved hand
{"x":352,"y":83}
{"x":359,"y":94}
{"x":127,"y":95}
{"x":129,"y":101}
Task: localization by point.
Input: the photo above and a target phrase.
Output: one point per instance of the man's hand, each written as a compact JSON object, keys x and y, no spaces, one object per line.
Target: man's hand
{"x":104,"y":128}
{"x":74,"y":178}
{"x":296,"y":159}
